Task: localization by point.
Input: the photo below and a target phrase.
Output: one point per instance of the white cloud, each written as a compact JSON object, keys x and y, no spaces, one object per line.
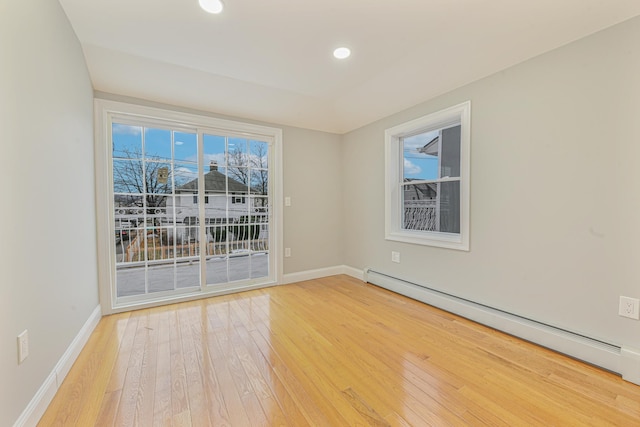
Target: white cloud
{"x":126,"y":129}
{"x":184,"y":174}
{"x":217,"y":157}
{"x":179,"y":142}
{"x":411,"y":168}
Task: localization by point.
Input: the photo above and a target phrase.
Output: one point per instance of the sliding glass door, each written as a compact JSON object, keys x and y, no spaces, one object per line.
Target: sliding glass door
{"x":192,"y":209}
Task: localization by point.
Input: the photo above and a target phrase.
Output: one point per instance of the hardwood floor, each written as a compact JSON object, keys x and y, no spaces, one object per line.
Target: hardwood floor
{"x":327,"y":352}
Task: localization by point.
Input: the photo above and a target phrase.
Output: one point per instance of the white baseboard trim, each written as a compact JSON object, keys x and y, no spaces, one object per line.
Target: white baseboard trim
{"x":630,"y":364}
{"x":623,"y":360}
{"x":301,"y":276}
{"x":353,"y":272}
{"x":43,"y":397}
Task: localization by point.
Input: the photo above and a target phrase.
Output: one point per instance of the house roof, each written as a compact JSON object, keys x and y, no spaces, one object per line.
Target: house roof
{"x":430,"y":147}
{"x":215,"y":182}
{"x":426,"y":189}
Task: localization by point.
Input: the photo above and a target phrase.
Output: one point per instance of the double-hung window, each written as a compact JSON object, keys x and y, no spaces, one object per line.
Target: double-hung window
{"x":427,"y":179}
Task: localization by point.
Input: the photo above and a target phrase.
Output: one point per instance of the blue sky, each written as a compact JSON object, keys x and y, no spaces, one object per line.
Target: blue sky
{"x":128,"y":138}
{"x":417,"y":165}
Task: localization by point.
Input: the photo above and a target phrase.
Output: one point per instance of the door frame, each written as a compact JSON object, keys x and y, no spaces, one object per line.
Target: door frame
{"x":103,"y":111}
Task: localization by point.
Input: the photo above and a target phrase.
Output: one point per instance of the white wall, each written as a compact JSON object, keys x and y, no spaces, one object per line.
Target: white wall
{"x":48,"y":271}
{"x":555,"y":190}
{"x":313,"y":224}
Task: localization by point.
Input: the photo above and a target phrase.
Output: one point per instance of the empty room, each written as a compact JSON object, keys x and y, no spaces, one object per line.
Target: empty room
{"x":344,"y":213}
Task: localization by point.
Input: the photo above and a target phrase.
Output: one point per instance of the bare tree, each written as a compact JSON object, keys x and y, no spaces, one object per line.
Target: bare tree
{"x":260,"y":172}
{"x":239,"y":165}
{"x":150,"y":178}
{"x":251,"y":169}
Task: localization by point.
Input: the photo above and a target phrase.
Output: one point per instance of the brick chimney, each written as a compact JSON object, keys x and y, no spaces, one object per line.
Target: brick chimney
{"x":213,"y":166}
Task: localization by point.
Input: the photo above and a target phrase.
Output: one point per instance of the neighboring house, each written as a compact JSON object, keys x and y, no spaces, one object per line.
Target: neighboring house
{"x":420,"y":192}
{"x":226,"y":200}
{"x":219,"y":189}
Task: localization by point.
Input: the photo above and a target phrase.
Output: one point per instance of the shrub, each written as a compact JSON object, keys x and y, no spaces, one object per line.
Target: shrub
{"x":250,"y":231}
{"x":218,"y":233}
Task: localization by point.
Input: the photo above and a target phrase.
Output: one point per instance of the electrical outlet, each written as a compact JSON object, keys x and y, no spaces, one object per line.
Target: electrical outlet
{"x":23,"y":346}
{"x":395,"y":256}
{"x":287,"y":252}
{"x":287,"y":201}
{"x":629,"y":307}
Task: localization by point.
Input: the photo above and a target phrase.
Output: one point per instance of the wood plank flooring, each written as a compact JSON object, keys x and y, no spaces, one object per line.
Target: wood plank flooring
{"x":327,"y":352}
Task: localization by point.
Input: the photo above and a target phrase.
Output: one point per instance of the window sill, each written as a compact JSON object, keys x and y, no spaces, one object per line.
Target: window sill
{"x":439,"y":240}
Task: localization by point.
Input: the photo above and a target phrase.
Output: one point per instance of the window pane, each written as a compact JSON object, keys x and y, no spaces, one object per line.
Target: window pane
{"x":187,"y":275}
{"x":187,"y":208}
{"x":157,"y":213}
{"x":157,"y":144}
{"x":215,"y":182}
{"x":186,"y":177}
{"x":238,"y":179}
{"x":217,"y":270}
{"x":260,"y":182}
{"x":158,"y":241}
{"x":425,"y":211}
{"x":215,"y":148}
{"x":420,"y":156}
{"x":450,"y":207}
{"x":450,"y":158}
{"x":128,"y":176}
{"x":259,"y":265}
{"x":161,"y":277}
{"x":130,"y":280}
{"x":127,"y":141}
{"x":239,"y":265}
{"x":259,"y":156}
{"x":127,"y":206}
{"x":158,"y":178}
{"x":420,"y":211}
{"x":238,"y":206}
{"x":215,"y":211}
{"x":187,"y":240}
{"x":238,"y":155}
{"x":185,"y":147}
{"x":260,"y":205}
{"x":217,"y":233}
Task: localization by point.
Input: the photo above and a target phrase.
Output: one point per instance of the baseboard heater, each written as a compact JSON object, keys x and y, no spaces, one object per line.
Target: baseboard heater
{"x":599,"y":353}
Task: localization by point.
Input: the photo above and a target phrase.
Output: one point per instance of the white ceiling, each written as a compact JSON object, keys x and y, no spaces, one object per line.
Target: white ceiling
{"x":271,"y":60}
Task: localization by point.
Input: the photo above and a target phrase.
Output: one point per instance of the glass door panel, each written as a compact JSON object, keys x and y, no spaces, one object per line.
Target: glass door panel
{"x":236,"y":212}
{"x":155,"y":250}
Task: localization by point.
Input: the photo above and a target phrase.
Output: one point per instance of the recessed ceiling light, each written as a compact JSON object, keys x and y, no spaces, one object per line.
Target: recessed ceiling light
{"x":211,"y":6}
{"x":342,"y":52}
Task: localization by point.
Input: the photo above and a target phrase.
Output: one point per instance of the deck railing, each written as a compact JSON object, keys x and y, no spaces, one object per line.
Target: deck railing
{"x":136,"y":244}
{"x":420,"y":215}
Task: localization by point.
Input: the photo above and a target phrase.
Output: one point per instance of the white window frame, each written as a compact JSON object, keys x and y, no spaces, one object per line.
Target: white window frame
{"x":104,"y":111}
{"x":394,"y":210}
